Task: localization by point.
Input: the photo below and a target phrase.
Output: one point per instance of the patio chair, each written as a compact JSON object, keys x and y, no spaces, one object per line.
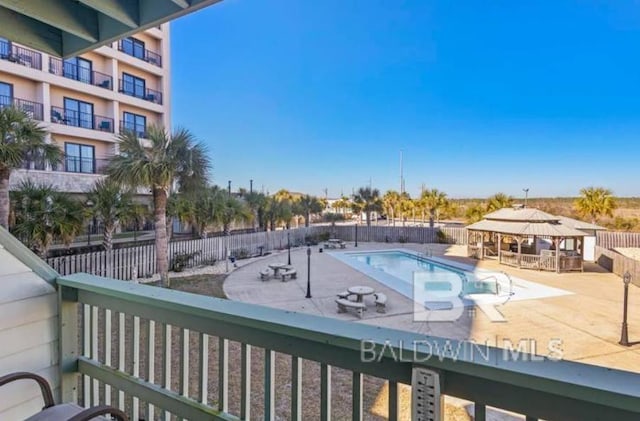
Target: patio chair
{"x":65,"y":411}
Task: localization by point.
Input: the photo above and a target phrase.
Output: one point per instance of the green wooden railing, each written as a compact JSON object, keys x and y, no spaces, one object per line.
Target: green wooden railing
{"x":105,"y":356}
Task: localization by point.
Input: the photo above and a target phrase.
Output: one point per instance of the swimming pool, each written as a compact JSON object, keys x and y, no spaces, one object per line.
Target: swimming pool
{"x":433,"y":280}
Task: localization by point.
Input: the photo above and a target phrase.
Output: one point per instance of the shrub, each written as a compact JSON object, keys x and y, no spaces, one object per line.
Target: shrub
{"x":402,"y":240}
{"x":181,"y":260}
{"x":441,"y":237}
{"x":241,"y":253}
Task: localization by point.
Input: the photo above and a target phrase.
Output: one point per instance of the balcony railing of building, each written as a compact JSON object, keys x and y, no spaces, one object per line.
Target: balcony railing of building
{"x":129,"y":88}
{"x":74,"y":164}
{"x":140,"y":131}
{"x":147,"y":55}
{"x":81,"y":74}
{"x":77,"y":164}
{"x":20,"y":55}
{"x":33,"y":110}
{"x":124,"y":326}
{"x":80,"y":119}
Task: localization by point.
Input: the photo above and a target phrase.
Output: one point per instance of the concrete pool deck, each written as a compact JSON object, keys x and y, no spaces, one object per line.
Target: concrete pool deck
{"x":587,"y":322}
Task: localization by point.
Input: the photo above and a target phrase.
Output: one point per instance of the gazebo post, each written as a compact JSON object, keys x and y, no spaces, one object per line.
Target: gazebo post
{"x":558,"y":241}
{"x":519,"y":241}
{"x":482,"y":245}
{"x":499,"y":248}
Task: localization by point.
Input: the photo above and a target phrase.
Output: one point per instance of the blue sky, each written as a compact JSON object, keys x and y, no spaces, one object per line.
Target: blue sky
{"x":481,"y":96}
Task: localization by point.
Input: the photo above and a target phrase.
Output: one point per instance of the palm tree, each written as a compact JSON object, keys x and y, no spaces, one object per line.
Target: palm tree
{"x":342,"y":204}
{"x":433,"y":201}
{"x":406,"y":206}
{"x":22,"y":140}
{"x":595,"y":202}
{"x":474,"y":213}
{"x":111,"y":205}
{"x":136,"y":214}
{"x":390,"y":202}
{"x":368,"y":200}
{"x":277,"y":211}
{"x":170,"y":158}
{"x":44,"y":214}
{"x":307,"y":205}
{"x":256,"y":203}
{"x":182,"y":207}
{"x":228,"y":209}
{"x":499,"y":201}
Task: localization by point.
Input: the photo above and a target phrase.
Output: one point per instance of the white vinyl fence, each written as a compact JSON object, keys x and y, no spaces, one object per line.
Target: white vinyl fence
{"x":133,"y":262}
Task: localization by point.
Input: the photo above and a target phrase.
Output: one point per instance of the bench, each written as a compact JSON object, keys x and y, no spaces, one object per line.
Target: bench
{"x":291,"y":273}
{"x":344,"y":295}
{"x":344,"y":305}
{"x":265,"y":274}
{"x":381,"y":302}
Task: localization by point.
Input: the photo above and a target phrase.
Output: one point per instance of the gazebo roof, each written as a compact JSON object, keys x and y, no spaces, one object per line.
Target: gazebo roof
{"x":526,"y":228}
{"x":579,"y":225}
{"x":530,"y":222}
{"x":521,"y":215}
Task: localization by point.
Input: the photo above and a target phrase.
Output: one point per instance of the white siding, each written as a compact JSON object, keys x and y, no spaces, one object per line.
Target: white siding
{"x":28,"y":334}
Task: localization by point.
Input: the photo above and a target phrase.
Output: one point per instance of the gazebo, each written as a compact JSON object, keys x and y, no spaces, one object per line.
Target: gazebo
{"x":527,"y":238}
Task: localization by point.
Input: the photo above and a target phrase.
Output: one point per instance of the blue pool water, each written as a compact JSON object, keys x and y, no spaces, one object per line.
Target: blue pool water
{"x":438,"y":278}
{"x":435,"y":280}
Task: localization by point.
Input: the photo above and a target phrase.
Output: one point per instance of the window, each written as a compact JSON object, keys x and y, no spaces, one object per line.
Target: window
{"x":78,"y":113}
{"x":136,"y":123}
{"x":5,"y":48}
{"x":132,"y":85}
{"x":78,"y":68}
{"x":79,"y":158}
{"x":6,"y":94}
{"x":133,"y":47}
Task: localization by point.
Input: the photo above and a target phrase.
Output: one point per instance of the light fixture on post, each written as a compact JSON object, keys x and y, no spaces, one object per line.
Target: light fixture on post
{"x":624,"y":336}
{"x":308,"y":272}
{"x":356,"y":245}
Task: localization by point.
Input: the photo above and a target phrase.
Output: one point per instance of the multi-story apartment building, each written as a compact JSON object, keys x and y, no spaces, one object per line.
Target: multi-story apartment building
{"x":84,"y":102}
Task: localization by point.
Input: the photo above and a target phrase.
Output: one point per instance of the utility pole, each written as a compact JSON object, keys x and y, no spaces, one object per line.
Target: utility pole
{"x":229,"y":188}
{"x":526,"y":196}
{"x":251,"y":186}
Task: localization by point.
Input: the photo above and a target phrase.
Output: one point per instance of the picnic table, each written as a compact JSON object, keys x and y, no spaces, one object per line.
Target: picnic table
{"x":360,"y":291}
{"x":276,"y":267}
{"x":335,"y":243}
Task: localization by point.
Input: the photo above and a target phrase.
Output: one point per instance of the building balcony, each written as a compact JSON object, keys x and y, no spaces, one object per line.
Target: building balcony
{"x":140,"y":131}
{"x":139,"y":92}
{"x":33,"y":109}
{"x":20,"y":55}
{"x":79,"y":119}
{"x":75,"y":72}
{"x":144,"y":54}
{"x":202,"y":346}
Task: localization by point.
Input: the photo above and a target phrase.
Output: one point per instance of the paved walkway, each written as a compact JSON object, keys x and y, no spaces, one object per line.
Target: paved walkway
{"x":586,"y":322}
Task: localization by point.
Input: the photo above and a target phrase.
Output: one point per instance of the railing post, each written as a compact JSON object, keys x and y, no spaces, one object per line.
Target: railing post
{"x":68,"y":343}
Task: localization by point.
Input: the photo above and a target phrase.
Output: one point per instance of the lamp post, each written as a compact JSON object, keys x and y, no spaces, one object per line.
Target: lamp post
{"x":89,"y":205}
{"x":356,"y":245}
{"x":308,"y":272}
{"x":288,"y":249}
{"x":624,"y":336}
